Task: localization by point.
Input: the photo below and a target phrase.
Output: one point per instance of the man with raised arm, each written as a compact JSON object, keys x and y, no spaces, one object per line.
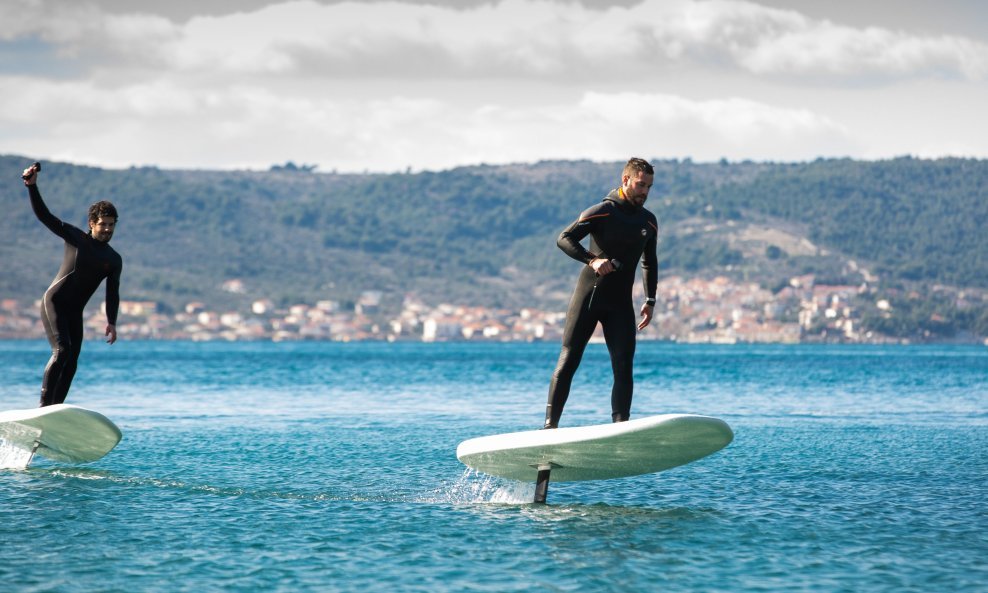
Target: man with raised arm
{"x":88,"y":261}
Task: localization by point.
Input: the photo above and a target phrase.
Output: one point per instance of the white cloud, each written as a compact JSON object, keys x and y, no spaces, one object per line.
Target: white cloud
{"x":515,"y":38}
{"x":250,"y":126}
{"x":823,"y":47}
{"x":561,"y":39}
{"x":76,"y":29}
{"x":386,"y":85}
{"x":737,"y":120}
{"x":37,"y":102}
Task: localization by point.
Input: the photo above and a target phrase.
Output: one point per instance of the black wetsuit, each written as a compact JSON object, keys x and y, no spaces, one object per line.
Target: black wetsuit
{"x":87,"y":262}
{"x":618,"y":231}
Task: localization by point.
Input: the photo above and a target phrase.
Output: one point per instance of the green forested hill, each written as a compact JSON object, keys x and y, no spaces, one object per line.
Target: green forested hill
{"x":486,"y":234}
{"x":912,"y":219}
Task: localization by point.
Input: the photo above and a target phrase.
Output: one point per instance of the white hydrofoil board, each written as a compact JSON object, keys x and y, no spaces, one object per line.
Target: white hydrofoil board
{"x":61,"y":432}
{"x":598,"y":452}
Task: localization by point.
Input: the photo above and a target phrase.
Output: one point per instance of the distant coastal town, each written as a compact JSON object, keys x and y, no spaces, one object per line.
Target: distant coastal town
{"x":716,"y":311}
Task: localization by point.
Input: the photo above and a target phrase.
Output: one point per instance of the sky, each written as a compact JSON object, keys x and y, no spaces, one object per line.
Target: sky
{"x":431,"y":85}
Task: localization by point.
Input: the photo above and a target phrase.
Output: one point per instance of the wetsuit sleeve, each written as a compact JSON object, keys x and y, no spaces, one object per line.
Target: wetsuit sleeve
{"x":113,"y":295}
{"x":650,"y":261}
{"x":569,"y":239}
{"x":51,"y":221}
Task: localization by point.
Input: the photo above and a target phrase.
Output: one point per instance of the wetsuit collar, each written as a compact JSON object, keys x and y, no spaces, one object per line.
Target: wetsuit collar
{"x":617,"y":196}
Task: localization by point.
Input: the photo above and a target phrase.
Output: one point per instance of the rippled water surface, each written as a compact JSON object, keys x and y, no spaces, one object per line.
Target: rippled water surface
{"x":332,"y":467}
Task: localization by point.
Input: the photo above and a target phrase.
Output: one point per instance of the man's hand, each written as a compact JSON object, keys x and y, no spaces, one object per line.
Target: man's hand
{"x":646,"y":316}
{"x":601,"y":266}
{"x":111,"y":332}
{"x":30,"y":175}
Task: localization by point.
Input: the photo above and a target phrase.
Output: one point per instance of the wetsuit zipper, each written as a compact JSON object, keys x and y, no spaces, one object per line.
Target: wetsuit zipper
{"x":593,"y":291}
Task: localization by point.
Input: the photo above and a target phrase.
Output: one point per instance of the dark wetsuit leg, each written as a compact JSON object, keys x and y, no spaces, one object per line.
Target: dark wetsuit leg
{"x":577,"y":333}
{"x":620,"y":335}
{"x":65,"y":331}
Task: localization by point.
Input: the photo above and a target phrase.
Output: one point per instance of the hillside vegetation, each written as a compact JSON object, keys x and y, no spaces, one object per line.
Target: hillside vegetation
{"x":486,"y":234}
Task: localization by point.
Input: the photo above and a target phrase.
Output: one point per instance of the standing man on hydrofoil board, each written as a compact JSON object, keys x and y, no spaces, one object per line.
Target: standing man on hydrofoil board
{"x":621,"y":232}
{"x":88,"y":260}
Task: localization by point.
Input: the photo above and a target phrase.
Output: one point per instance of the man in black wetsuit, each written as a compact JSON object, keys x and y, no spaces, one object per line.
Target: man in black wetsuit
{"x":88,"y":260}
{"x":621,"y":232}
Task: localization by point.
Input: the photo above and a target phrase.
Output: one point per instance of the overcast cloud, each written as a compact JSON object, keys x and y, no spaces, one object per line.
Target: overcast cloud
{"x":383,"y":86}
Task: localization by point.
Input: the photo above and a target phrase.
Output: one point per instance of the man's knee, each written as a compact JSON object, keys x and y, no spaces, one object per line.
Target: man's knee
{"x":569,"y":361}
{"x":62,"y":351}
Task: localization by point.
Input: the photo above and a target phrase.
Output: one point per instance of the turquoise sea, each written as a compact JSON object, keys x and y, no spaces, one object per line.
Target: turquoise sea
{"x":331,"y":467}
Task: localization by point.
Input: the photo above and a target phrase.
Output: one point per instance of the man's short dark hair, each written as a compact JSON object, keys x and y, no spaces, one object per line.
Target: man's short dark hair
{"x":637,"y":164}
{"x":102,"y":209}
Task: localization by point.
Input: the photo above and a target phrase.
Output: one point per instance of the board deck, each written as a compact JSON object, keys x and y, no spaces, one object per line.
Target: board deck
{"x":62,"y":432}
{"x":598,"y":452}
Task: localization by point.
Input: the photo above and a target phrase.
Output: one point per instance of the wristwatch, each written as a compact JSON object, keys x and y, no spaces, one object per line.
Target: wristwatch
{"x":650,"y":302}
